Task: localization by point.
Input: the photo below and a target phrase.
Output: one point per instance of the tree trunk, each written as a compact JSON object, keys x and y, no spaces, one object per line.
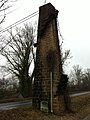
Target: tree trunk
{"x":26,"y":87}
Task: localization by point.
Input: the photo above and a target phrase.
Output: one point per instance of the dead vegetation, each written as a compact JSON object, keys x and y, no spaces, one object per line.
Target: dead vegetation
{"x":81,"y":106}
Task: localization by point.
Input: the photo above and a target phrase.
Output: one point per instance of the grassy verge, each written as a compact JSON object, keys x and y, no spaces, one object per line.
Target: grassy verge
{"x":80,"y":104}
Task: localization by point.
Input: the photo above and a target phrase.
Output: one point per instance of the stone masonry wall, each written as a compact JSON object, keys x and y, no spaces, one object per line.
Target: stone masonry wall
{"x":47,"y":60}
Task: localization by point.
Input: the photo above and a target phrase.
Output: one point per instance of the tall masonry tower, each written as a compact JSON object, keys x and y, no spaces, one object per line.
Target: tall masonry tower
{"x":48,"y":61}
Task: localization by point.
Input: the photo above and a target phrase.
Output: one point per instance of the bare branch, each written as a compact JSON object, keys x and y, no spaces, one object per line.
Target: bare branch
{"x":65,"y":56}
{"x":2,"y":19}
{"x":3,"y":3}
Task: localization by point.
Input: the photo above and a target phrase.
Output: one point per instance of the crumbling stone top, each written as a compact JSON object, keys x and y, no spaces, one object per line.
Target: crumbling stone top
{"x":47,"y":12}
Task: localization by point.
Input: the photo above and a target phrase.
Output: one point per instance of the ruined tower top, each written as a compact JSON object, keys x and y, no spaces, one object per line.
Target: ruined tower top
{"x":47,"y":12}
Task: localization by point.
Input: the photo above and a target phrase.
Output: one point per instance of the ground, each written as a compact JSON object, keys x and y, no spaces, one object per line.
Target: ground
{"x":80,"y":106}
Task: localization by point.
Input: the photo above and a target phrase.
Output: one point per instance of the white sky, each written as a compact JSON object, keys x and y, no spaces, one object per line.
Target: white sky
{"x":74,"y":21}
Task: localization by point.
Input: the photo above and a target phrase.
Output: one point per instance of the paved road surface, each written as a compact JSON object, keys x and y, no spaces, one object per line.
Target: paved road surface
{"x":78,"y":94}
{"x":12,"y":105}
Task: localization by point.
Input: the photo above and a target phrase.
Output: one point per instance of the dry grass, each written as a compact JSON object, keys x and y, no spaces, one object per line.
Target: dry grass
{"x":80,"y":104}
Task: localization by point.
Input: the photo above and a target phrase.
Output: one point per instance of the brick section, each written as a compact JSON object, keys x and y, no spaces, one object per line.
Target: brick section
{"x":47,"y":60}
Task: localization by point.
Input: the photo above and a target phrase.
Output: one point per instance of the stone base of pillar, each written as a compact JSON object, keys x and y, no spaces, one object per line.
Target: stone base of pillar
{"x":58,"y":105}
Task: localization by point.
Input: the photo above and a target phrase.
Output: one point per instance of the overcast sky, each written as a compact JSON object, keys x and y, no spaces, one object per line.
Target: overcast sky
{"x":74,"y":22}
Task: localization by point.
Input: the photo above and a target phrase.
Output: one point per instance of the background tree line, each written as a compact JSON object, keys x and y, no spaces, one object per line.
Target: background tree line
{"x":79,"y":79}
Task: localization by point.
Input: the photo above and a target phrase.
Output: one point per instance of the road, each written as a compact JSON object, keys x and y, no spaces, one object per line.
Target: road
{"x":12,"y":105}
{"x":78,"y":94}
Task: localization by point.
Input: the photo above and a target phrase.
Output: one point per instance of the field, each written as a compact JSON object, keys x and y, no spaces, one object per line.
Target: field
{"x":81,"y":106}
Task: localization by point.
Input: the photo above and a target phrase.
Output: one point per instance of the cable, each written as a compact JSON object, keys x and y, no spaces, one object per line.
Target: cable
{"x":20,"y":21}
{"x":17,"y":23}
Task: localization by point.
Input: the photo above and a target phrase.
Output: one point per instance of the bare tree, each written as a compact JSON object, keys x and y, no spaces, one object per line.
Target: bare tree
{"x":66,"y":55}
{"x":86,"y":80}
{"x":76,"y":77}
{"x":78,"y":74}
{"x":19,"y":54}
{"x":4,"y":6}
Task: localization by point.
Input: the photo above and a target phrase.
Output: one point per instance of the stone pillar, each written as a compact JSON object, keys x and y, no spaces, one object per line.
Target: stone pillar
{"x":48,"y":60}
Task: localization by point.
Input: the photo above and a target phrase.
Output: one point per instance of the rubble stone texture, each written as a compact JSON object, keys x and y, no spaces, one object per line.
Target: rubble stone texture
{"x":47,"y":60}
